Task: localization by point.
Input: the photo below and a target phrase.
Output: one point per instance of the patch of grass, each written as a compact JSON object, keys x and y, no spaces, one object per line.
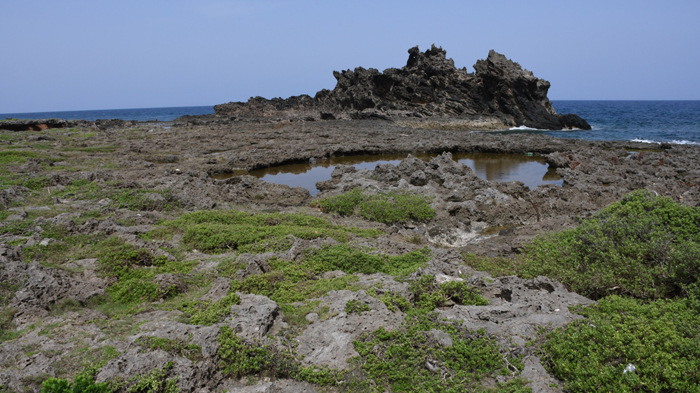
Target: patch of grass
{"x":295,"y":314}
{"x":390,"y":207}
{"x":238,"y":358}
{"x":64,"y":306}
{"x":660,"y":339}
{"x":356,"y":307}
{"x":418,"y":356}
{"x":177,"y":347}
{"x":644,"y":246}
{"x":428,"y":295}
{"x":156,"y":381}
{"x":83,"y":359}
{"x":229,"y":268}
{"x":230,"y":230}
{"x":292,"y":281}
{"x":65,"y":246}
{"x":7,"y":327}
{"x":207,"y":312}
{"x":15,"y":157}
{"x":393,"y":301}
{"x":135,"y":270}
{"x":84,"y":381}
{"x":344,"y":204}
{"x":412,"y":360}
{"x":126,"y":198}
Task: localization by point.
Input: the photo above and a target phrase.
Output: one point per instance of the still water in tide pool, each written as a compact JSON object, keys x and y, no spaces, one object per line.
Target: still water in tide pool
{"x":531,"y":170}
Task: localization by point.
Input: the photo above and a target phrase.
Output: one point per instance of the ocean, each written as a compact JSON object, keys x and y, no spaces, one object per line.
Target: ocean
{"x":140,"y":114}
{"x":643,"y":121}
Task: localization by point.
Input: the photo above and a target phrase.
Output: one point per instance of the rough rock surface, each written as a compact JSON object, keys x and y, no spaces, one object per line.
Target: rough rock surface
{"x":329,"y":342}
{"x":429,"y":92}
{"x":472,"y":215}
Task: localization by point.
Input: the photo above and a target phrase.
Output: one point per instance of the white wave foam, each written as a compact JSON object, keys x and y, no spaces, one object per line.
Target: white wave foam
{"x":675,"y":142}
{"x":643,"y":140}
{"x":522,"y":128}
{"x":684,"y":142}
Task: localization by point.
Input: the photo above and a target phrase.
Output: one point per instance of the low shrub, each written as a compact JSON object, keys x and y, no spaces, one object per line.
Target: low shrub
{"x":292,"y":281}
{"x":390,"y":207}
{"x":428,"y":295}
{"x":659,"y":339}
{"x":178,"y":347}
{"x":135,"y":270}
{"x":411,"y":360}
{"x":230,"y":230}
{"x":239,"y":358}
{"x":644,"y":245}
{"x":208,"y":312}
{"x":356,"y":307}
{"x":7,"y":327}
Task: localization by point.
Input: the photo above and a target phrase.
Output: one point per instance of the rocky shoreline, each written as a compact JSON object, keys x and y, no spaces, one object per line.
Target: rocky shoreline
{"x":83,"y":173}
{"x":124,"y":264}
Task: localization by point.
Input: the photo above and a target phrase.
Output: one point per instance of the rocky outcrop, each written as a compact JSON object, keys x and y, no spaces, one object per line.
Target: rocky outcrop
{"x":40,"y":124}
{"x":429,"y":92}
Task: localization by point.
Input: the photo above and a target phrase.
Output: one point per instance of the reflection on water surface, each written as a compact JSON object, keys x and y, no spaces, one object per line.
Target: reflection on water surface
{"x":531,"y":170}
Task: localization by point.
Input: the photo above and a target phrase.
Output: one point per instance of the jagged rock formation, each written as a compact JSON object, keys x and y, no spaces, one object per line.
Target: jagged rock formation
{"x":429,"y":92}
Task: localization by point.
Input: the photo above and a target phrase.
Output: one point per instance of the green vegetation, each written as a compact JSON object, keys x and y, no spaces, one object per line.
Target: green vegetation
{"x":7,"y":327}
{"x":356,"y":307}
{"x":135,"y":270}
{"x":81,"y":384}
{"x":15,"y":157}
{"x":84,"y":382}
{"x":644,"y":246}
{"x":641,"y":258}
{"x":207,"y":312}
{"x":661,"y":339}
{"x":429,"y":295}
{"x":414,"y":359}
{"x":156,"y":381}
{"x":239,"y":358}
{"x":390,"y":207}
{"x":178,"y":347}
{"x":220,"y":231}
{"x":292,"y":281}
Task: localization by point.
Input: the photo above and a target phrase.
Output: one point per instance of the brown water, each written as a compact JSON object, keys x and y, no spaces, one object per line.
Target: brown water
{"x":531,"y":170}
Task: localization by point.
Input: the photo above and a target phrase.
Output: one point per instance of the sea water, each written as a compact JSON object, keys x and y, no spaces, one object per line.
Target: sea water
{"x":642,"y":121}
{"x":140,"y":114}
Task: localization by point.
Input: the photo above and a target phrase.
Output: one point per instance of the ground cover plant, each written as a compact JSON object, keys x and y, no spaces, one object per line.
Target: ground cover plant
{"x":644,"y":245}
{"x":231,"y":230}
{"x":292,"y":281}
{"x":238,"y":358}
{"x":387,"y":207}
{"x":427,"y":354}
{"x":640,"y":257}
{"x":135,"y":270}
{"x":626,"y":345}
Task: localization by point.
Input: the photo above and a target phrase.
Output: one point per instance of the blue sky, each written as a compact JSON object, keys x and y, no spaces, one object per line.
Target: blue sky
{"x":80,"y":55}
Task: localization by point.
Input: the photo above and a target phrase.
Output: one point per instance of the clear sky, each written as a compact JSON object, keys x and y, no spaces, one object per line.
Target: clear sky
{"x":81,"y":55}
